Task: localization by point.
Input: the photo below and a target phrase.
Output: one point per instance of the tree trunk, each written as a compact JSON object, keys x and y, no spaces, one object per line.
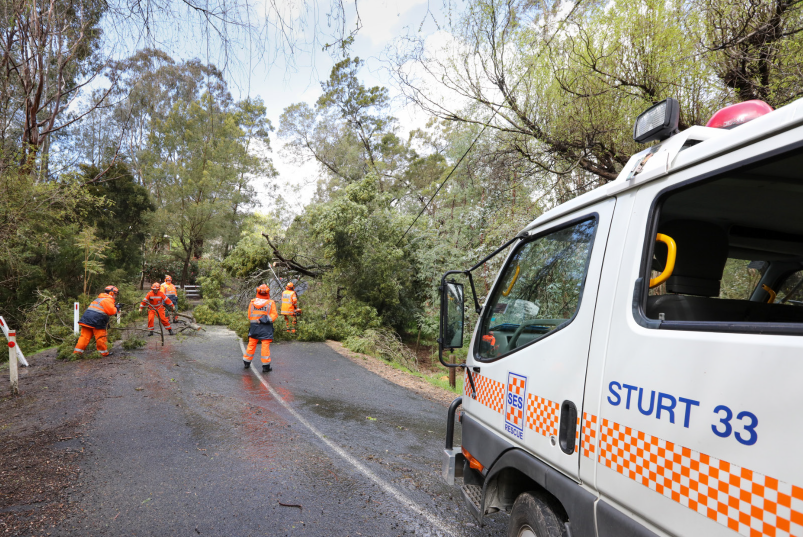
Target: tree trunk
{"x":185,"y":270}
{"x":417,"y":343}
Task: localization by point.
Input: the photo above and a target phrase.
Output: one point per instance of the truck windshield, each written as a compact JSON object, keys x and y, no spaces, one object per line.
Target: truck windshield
{"x":539,"y":291}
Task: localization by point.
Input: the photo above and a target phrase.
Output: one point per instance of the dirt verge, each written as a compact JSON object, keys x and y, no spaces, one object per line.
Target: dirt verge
{"x":41,"y":438}
{"x":405,"y":380}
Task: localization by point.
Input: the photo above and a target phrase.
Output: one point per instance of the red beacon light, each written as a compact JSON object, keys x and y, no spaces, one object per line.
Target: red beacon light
{"x":738,"y":114}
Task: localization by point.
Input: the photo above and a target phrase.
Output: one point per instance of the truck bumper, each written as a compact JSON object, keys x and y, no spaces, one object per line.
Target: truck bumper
{"x":452,"y":464}
{"x":452,"y":458}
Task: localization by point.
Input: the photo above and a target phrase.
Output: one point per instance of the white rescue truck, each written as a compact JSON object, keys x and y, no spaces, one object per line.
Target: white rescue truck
{"x":637,"y":367}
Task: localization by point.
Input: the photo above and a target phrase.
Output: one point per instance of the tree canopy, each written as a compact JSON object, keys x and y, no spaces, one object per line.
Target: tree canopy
{"x":131,"y":168}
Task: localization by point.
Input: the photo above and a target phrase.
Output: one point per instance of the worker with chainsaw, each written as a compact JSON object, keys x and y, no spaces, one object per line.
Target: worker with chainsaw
{"x":290,"y":307}
{"x":170,"y":292}
{"x":95,"y":319}
{"x":156,"y":301}
{"x":261,"y":316}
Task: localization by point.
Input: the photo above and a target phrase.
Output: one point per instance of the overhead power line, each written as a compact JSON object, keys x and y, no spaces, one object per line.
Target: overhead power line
{"x":448,"y":176}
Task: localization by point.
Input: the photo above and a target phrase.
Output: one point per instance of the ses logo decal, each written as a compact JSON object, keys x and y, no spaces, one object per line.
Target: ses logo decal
{"x":514,"y":404}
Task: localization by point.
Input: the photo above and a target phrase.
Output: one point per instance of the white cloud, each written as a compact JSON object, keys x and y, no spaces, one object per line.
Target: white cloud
{"x":382,"y":18}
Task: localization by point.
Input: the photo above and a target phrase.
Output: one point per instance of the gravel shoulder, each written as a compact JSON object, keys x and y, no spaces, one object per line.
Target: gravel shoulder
{"x":42,"y":436}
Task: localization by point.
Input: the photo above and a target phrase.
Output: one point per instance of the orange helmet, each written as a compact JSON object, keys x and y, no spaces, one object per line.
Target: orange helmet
{"x":168,"y":279}
{"x":155,"y":286}
{"x":112,"y":290}
{"x":263,"y":290}
{"x":290,"y":286}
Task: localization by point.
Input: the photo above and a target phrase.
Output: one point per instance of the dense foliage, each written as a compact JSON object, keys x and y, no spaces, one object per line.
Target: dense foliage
{"x":531,"y":104}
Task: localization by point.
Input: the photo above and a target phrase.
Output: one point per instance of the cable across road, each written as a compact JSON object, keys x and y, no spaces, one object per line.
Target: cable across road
{"x":448,"y":176}
{"x":485,"y":126}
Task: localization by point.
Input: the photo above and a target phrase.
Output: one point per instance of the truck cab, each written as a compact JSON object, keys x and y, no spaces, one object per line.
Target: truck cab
{"x":636,"y":367}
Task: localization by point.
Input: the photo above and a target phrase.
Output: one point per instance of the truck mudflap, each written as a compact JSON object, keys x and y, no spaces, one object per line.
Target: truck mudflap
{"x":452,"y":458}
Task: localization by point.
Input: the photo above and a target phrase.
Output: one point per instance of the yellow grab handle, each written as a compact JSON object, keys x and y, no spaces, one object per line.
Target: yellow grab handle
{"x":512,"y":283}
{"x":769,"y":291}
{"x":672,"y":253}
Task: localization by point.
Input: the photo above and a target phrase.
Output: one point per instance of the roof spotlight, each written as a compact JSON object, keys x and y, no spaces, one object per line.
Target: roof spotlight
{"x":658,"y":122}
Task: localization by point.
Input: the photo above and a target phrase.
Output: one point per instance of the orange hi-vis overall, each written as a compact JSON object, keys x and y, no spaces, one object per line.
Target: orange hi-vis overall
{"x":93,"y":323}
{"x":155,"y":302}
{"x":170,"y":292}
{"x":289,"y":307}
{"x":261,"y":314}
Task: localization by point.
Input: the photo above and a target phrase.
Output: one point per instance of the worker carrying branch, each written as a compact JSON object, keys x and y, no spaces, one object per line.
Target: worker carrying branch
{"x":156,"y":301}
{"x":290,"y":307}
{"x":95,"y":319}
{"x":170,"y":292}
{"x":261,"y":316}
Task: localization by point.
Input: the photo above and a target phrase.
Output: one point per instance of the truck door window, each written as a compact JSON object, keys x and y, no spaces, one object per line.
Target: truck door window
{"x":539,"y":291}
{"x":791,"y":290}
{"x":739,"y":246}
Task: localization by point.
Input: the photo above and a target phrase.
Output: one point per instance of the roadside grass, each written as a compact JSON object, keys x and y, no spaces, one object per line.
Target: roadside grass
{"x":439,"y":379}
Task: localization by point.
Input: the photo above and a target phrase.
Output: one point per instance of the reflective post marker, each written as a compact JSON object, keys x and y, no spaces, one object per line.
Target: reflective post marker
{"x":20,"y":356}
{"x":12,"y":362}
{"x":75,"y":318}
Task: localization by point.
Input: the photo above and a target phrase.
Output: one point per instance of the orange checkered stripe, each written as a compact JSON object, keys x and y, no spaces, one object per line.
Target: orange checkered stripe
{"x":589,"y":442}
{"x":490,"y":392}
{"x":740,"y":499}
{"x":542,"y":415}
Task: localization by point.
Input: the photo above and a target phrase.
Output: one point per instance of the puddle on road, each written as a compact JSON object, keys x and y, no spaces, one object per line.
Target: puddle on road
{"x":338,"y":410}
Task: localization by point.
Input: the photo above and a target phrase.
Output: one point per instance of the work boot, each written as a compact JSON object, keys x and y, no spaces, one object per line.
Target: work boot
{"x":170,"y":331}
{"x":110,"y":353}
{"x":150,"y":334}
{"x":265,"y":368}
{"x":246,"y":364}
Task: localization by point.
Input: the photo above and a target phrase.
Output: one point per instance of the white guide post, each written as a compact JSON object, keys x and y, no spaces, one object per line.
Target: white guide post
{"x":75,"y":318}
{"x":12,"y":362}
{"x":20,"y":356}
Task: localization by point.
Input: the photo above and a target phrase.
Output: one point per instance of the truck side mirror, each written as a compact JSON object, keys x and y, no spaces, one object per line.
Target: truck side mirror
{"x":452,"y":315}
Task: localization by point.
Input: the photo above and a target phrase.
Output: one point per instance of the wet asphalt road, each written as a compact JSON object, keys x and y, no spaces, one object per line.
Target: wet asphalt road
{"x":187,"y":442}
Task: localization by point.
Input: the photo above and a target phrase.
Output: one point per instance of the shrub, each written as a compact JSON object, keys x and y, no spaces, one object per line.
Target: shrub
{"x":240,"y":326}
{"x":133,"y":343}
{"x":207,"y":315}
{"x":65,"y":350}
{"x":385,"y":344}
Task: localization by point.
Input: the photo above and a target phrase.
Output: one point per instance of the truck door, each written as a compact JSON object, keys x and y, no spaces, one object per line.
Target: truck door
{"x":700,"y":381}
{"x":530,"y":351}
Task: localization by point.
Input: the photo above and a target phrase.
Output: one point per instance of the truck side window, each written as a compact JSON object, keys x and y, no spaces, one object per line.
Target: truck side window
{"x":539,"y":290}
{"x":739,"y":251}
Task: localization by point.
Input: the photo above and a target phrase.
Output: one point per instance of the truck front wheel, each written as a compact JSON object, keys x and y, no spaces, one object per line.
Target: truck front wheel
{"x":531,"y":516}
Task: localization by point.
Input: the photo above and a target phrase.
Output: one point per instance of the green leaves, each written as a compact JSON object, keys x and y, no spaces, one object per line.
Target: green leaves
{"x":200,"y":159}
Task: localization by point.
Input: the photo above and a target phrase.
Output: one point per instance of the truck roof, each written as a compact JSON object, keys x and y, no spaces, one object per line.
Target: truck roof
{"x":692,"y":146}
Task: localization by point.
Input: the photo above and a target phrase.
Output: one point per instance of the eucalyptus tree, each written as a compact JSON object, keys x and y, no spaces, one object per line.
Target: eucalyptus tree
{"x":559,"y":83}
{"x":200,"y":162}
{"x":349,"y":132}
{"x":48,"y":52}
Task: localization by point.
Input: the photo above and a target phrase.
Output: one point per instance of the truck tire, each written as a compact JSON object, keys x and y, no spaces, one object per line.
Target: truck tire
{"x":531,"y":516}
